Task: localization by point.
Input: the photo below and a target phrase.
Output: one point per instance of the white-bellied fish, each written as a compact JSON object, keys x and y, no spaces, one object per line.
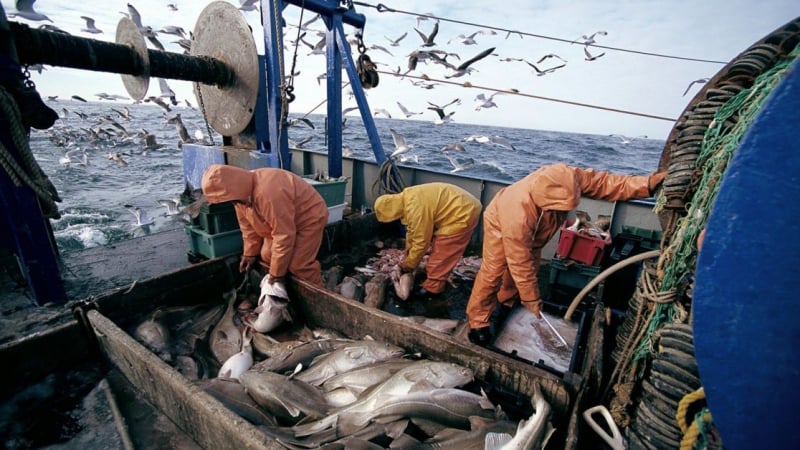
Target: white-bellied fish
{"x":233,"y":395}
{"x":284,"y":396}
{"x":420,"y":376}
{"x":226,"y":338}
{"x":348,"y":357}
{"x":237,"y":364}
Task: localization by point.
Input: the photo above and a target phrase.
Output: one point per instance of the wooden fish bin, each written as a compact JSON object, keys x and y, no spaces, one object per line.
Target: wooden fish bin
{"x":210,"y":423}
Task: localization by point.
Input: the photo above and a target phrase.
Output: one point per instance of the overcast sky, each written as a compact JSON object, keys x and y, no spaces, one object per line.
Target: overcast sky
{"x":713,"y":30}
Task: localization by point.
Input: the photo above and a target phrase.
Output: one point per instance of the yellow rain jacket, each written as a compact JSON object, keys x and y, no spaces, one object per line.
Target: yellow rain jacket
{"x":427,"y":210}
{"x":281,"y":209}
{"x":522,"y":218}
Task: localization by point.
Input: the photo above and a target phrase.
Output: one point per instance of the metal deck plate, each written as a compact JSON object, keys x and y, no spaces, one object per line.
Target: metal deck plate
{"x":528,"y":337}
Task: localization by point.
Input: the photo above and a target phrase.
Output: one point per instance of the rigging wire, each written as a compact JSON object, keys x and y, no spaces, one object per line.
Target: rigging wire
{"x":538,"y":97}
{"x":380,"y":7}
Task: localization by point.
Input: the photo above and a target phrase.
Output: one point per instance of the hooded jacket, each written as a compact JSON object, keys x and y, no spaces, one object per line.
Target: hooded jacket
{"x":427,"y":210}
{"x":277,"y":204}
{"x":527,"y":213}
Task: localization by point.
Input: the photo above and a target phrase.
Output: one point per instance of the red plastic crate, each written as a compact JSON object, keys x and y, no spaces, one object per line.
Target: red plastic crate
{"x":581,"y":247}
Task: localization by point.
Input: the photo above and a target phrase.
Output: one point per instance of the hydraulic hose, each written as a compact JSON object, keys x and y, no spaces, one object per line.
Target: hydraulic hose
{"x":605,"y":274}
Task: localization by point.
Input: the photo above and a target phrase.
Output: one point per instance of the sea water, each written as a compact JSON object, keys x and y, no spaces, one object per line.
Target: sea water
{"x":97,"y":198}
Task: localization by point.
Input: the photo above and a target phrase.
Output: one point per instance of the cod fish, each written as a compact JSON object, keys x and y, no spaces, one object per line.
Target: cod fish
{"x":420,"y":376}
{"x":155,"y":336}
{"x":271,"y":307}
{"x":226,"y":338}
{"x":240,"y":362}
{"x":233,"y":395}
{"x":449,"y":406}
{"x":283,"y":396}
{"x":348,"y":357}
{"x":402,"y":284}
{"x":530,"y":433}
{"x":474,"y":439}
{"x":289,"y":357}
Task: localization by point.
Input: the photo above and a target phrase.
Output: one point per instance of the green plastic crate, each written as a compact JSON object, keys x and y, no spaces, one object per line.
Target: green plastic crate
{"x":331,"y":191}
{"x":651,"y":239}
{"x":209,"y":245}
{"x":574,"y":274}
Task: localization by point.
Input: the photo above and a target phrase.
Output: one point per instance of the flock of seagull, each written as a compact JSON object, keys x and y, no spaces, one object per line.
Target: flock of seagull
{"x":427,"y":53}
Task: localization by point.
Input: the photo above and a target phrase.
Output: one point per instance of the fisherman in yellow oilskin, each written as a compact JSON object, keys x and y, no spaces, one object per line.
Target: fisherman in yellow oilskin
{"x":436,"y":215}
{"x":520,"y":220}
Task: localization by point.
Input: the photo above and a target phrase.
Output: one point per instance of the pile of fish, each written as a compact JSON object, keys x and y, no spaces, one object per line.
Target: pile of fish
{"x":369,"y":283}
{"x":317,"y":388}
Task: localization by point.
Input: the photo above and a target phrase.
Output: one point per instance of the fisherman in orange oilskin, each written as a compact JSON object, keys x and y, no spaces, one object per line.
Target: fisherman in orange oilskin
{"x":281,"y":216}
{"x":520,"y":220}
{"x":437,"y":215}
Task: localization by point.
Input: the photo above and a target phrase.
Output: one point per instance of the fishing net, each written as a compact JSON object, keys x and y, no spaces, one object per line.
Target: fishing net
{"x":696,"y":157}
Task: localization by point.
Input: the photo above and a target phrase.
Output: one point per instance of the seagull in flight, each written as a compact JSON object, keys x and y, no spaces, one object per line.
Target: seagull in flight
{"x":141,"y":216}
{"x":481,"y":101}
{"x":459,"y":165}
{"x":396,"y":42}
{"x":90,"y":28}
{"x":589,"y":56}
{"x":400,"y":144}
{"x":406,"y":111}
{"x":173,"y":206}
{"x":450,"y":147}
{"x":540,"y":72}
{"x":698,"y":81}
{"x":465,"y":68}
{"x":428,"y":41}
{"x":627,"y":140}
{"x":25,"y":10}
{"x":587,"y":40}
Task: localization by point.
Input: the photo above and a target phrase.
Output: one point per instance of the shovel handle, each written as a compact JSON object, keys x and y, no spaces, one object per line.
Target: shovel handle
{"x":615,"y":439}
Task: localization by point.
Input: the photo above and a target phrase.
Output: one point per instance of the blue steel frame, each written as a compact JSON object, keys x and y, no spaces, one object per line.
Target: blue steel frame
{"x":338,"y":54}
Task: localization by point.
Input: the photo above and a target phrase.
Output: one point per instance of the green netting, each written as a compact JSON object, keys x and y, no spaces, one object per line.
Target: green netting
{"x":679,"y":256}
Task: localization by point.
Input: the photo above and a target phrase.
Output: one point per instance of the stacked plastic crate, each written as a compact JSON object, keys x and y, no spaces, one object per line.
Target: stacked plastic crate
{"x":578,"y":260}
{"x":215,"y":232}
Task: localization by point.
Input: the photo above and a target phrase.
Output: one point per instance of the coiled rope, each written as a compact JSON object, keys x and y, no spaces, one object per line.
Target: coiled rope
{"x":26,"y":171}
{"x":389,"y":180}
{"x":679,"y":258}
{"x":675,"y":268}
{"x":698,"y":434}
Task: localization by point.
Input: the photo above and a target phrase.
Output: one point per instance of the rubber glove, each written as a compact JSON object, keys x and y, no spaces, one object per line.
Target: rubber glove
{"x":655,"y":180}
{"x":246,"y":263}
{"x":278,"y":286}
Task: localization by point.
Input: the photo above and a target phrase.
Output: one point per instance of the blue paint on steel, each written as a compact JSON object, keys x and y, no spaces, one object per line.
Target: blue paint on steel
{"x":27,"y":234}
{"x":272,"y":19}
{"x":746,"y":306}
{"x":334,"y":88}
{"x":361,"y":98}
{"x":196,"y":159}
{"x":328,"y":8}
{"x":260,"y":115}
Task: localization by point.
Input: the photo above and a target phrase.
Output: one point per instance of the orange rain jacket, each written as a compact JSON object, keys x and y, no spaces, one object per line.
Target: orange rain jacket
{"x":522,"y":218}
{"x":428,"y":210}
{"x":283,"y":216}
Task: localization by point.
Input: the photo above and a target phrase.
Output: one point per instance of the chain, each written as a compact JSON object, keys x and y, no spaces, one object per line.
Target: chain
{"x":203,"y":109}
{"x":284,"y":113}
{"x":367,"y":70}
{"x":26,"y":74}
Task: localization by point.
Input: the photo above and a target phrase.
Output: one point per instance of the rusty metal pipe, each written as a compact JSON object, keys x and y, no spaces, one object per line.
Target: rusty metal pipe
{"x":64,"y":50}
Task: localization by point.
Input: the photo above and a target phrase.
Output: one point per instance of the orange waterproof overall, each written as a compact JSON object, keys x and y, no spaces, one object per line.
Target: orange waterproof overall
{"x":436,"y":215}
{"x":522,"y":218}
{"x":282,"y":217}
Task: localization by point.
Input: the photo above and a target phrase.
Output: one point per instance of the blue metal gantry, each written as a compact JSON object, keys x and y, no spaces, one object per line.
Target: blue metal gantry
{"x":338,"y":55}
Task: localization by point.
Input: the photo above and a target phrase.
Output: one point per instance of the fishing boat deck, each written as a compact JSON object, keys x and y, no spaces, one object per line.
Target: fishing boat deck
{"x":88,"y":273}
